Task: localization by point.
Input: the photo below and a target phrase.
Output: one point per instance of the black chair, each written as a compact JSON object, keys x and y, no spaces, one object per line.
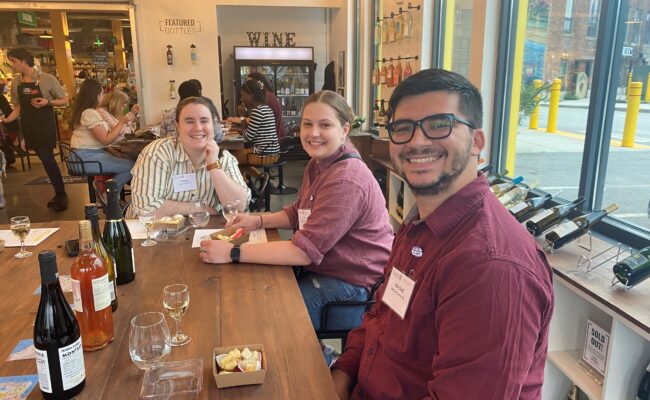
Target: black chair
{"x":258,"y":191}
{"x":325,"y":333}
{"x":77,"y":167}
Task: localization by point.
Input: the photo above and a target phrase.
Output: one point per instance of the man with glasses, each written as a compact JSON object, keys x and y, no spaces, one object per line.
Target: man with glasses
{"x":465,"y":308}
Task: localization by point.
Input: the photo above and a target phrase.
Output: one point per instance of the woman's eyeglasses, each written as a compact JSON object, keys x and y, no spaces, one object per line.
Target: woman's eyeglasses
{"x":437,"y":126}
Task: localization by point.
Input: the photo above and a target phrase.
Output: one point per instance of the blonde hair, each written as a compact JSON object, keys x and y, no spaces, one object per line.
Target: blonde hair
{"x":114,"y":102}
{"x":343,"y":111}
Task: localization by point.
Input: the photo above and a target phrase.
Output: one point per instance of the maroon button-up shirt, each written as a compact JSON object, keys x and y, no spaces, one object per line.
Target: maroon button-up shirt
{"x":477,"y":323}
{"x":347,"y":236}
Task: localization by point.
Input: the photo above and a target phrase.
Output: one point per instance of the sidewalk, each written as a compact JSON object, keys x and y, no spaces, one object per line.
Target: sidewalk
{"x":540,"y":141}
{"x":584,"y":103}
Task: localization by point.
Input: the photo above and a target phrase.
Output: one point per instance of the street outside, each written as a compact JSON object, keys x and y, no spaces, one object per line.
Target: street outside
{"x":555,"y":160}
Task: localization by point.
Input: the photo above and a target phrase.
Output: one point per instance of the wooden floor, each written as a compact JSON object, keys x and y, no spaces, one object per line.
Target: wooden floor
{"x":31,"y":200}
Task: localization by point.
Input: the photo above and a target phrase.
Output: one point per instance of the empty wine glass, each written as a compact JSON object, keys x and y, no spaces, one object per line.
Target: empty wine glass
{"x":229,"y":209}
{"x":199,"y":216}
{"x":147,"y":219}
{"x":176,"y":300}
{"x":20,"y":227}
{"x":149,"y":340}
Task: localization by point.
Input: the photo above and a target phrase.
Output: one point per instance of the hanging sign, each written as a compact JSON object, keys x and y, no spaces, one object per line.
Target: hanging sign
{"x":272,"y":39}
{"x":180,"y":26}
{"x":27,"y":18}
{"x":100,"y":59}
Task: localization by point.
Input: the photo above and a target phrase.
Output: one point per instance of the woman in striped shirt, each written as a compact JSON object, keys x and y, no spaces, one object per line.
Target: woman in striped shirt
{"x":174,"y":172}
{"x":258,"y":128}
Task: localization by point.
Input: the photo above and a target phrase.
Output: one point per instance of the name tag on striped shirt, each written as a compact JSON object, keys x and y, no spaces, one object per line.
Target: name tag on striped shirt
{"x":184,"y":182}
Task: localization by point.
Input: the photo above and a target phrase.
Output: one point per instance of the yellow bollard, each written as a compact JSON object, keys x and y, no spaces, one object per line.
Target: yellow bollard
{"x":627,"y":90}
{"x":647,"y":90}
{"x":534,"y":116}
{"x":632,"y":114}
{"x":554,"y":104}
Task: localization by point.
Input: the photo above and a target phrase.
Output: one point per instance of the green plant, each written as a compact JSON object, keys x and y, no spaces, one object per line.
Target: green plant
{"x":570,"y":96}
{"x":531,"y":96}
{"x":358,"y":121}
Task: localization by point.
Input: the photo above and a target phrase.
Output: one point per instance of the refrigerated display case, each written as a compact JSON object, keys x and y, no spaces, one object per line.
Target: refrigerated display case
{"x":289,"y":69}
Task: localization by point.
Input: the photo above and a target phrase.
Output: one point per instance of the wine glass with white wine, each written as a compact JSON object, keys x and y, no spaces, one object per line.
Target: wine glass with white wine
{"x":20,"y":227}
{"x":176,"y":300}
{"x":147,"y":219}
{"x":230,"y":209}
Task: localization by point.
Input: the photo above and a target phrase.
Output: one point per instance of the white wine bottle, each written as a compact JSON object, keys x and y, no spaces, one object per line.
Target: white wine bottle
{"x":573,"y":229}
{"x":117,"y":236}
{"x":57,"y":337}
{"x":525,"y":209}
{"x":501,"y":188}
{"x":100,"y":248}
{"x":547,"y":218}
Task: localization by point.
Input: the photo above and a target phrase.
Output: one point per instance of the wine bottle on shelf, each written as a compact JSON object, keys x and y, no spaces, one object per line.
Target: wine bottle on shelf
{"x":399,"y":26}
{"x":397,"y":74}
{"x":633,"y":270}
{"x":391,"y":29}
{"x":408,"y":71}
{"x":496,"y":177}
{"x":101,"y":250}
{"x":117,"y":236}
{"x":547,"y":218}
{"x":293,"y":109}
{"x":382,"y":114}
{"x":525,"y":209}
{"x":57,"y":338}
{"x":384,"y":30}
{"x":407,"y":31}
{"x":375,"y":113}
{"x":399,"y":208}
{"x":570,"y":230}
{"x":516,"y":194}
{"x":389,"y":75}
{"x":375,"y":76}
{"x":170,"y":55}
{"x":91,"y":292}
{"x":644,"y":387}
{"x":292,"y":87}
{"x":500,"y":188}
{"x":383,"y":73}
{"x":378,"y":32}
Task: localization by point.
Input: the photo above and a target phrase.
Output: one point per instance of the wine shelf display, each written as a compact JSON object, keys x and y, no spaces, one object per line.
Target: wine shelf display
{"x":395,"y":184}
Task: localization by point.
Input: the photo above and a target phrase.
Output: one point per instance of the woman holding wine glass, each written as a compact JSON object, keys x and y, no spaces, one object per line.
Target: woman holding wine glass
{"x":341,"y":232}
{"x":172,"y":174}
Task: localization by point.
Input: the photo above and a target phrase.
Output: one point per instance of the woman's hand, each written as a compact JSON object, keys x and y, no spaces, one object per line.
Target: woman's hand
{"x":211,"y":151}
{"x":234,"y":120}
{"x":127,"y":118}
{"x":215,"y":251}
{"x":135,"y":109}
{"x":248,"y":222}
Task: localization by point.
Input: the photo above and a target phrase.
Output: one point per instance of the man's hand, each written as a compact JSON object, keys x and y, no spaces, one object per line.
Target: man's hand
{"x":211,"y":151}
{"x":342,"y":383}
{"x":215,"y":251}
{"x":39,"y":102}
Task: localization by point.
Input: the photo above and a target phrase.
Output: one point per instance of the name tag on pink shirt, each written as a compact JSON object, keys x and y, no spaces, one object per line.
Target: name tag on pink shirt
{"x":303,"y":215}
{"x":399,"y":290}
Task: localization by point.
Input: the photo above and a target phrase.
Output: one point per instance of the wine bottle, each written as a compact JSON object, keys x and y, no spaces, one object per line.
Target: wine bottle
{"x":378,"y":32}
{"x":91,"y":293}
{"x":399,"y":27}
{"x":408,"y":71}
{"x":389,"y":75}
{"x":382,"y":74}
{"x":57,"y":340}
{"x":500,"y":188}
{"x":525,"y":209}
{"x":117,"y":236}
{"x":573,"y":229}
{"x":644,"y":387}
{"x":101,"y":250}
{"x":408,"y":25}
{"x":382,"y":115}
{"x":547,"y":218}
{"x":384,"y":30}
{"x":375,"y":114}
{"x":485,"y":169}
{"x":634,"y":269}
{"x":391,"y":29}
{"x":517,"y":194}
{"x":397,"y":74}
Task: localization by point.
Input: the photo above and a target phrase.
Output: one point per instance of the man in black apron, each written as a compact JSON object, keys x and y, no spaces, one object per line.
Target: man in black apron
{"x":34,"y":93}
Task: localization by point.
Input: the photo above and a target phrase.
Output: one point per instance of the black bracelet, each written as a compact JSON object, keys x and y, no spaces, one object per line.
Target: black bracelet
{"x":261,"y":222}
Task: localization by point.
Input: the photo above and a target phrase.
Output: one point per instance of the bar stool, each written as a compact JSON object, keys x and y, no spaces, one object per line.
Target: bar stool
{"x":77,"y":167}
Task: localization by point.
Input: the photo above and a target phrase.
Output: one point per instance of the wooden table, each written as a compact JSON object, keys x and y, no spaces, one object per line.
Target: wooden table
{"x":230,"y":305}
{"x":132,"y":148}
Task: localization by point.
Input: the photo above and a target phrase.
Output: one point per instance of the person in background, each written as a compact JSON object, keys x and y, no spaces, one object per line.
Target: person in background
{"x":34,"y":94}
{"x":258,"y":129}
{"x":190,"y":88}
{"x":465,"y":309}
{"x":8,"y":132}
{"x":272,"y":101}
{"x":341,"y":232}
{"x":113,"y":106}
{"x":192,"y":155}
{"x":92,"y":134}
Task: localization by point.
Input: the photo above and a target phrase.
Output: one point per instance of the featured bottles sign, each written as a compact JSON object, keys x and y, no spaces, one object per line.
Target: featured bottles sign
{"x":272,"y":39}
{"x":180,"y":26}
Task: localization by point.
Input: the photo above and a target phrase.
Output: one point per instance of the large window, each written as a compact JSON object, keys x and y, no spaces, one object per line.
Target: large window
{"x":594,"y":14}
{"x":568,"y":16}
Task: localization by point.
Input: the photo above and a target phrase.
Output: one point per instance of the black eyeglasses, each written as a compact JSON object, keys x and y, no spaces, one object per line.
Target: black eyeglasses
{"x":437,"y":126}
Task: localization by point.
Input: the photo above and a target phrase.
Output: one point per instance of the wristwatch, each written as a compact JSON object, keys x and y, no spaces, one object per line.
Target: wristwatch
{"x":235,"y":253}
{"x":216,"y":164}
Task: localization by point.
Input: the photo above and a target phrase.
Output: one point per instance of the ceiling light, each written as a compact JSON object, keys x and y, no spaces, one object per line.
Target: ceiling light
{"x":45,"y":35}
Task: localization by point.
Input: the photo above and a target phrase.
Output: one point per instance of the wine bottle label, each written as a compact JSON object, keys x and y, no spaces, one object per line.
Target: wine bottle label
{"x":565,"y":228}
{"x":540,"y":216}
{"x":43,"y":368}
{"x":76,"y":295}
{"x":71,"y":359}
{"x":518,"y":207}
{"x":133,"y":260}
{"x":112,"y":286}
{"x":101,"y":292}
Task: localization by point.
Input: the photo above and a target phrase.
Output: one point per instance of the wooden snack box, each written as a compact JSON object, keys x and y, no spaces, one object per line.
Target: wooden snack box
{"x":228,"y":232}
{"x":238,"y":378}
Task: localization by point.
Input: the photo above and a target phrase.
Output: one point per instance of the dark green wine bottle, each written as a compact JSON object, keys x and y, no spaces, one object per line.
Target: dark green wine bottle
{"x":547,"y":218}
{"x":117,"y":236}
{"x":634,"y":269}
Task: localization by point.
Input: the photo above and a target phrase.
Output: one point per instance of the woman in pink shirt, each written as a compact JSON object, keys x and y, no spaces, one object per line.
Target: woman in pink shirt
{"x":341,"y":237}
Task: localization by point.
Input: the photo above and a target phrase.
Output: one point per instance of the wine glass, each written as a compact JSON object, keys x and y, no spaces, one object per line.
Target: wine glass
{"x":20,"y":227}
{"x":149,"y":340}
{"x":147,"y":219}
{"x":176,"y":300}
{"x":199,"y":217}
{"x":229,"y":209}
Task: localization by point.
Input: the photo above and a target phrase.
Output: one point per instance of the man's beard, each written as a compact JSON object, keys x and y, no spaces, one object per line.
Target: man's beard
{"x":444,"y":181}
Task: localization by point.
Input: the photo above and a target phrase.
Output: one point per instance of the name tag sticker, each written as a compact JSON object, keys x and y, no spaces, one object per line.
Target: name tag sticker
{"x":303,"y":215}
{"x":399,"y":290}
{"x":184,"y":182}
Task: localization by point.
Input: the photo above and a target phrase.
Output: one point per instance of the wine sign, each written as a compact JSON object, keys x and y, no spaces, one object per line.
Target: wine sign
{"x":279,"y":39}
{"x":596,"y":344}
